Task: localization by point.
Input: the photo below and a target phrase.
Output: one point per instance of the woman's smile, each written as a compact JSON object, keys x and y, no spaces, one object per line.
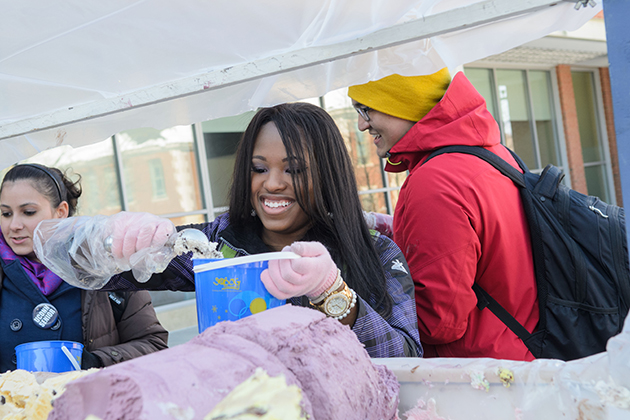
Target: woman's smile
{"x":276,"y":205}
{"x":273,"y":197}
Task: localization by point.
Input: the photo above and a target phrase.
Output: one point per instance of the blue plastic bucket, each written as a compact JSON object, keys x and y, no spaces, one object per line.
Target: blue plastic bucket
{"x":47,"y":356}
{"x":230,"y":289}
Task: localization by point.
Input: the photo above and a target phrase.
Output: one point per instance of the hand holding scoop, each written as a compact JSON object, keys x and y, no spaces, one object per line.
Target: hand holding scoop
{"x":186,"y":240}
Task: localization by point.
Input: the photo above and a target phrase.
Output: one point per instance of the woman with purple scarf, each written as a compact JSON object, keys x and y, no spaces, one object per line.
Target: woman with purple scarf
{"x":113,"y":327}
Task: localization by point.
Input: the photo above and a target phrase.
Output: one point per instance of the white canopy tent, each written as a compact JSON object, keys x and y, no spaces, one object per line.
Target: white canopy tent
{"x":79,"y":71}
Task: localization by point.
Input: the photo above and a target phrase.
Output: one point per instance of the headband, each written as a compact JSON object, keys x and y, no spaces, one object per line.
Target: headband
{"x":47,"y":172}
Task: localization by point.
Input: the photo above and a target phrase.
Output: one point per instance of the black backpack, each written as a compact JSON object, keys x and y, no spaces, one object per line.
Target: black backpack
{"x":580,"y":261}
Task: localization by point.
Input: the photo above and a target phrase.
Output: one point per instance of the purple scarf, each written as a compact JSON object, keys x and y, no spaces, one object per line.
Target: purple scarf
{"x":45,"y":280}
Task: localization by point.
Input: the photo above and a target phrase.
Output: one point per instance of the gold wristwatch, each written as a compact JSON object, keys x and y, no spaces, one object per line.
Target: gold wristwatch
{"x":338,"y":303}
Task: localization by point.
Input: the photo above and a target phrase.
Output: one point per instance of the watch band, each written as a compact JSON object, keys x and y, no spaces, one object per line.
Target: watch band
{"x":353,"y":302}
{"x":339,"y":303}
{"x":336,"y":285}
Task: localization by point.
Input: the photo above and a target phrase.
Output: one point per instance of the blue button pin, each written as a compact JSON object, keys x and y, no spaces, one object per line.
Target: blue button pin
{"x":45,"y":315}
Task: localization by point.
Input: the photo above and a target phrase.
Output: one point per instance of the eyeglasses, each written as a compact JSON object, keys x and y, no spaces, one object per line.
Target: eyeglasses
{"x":363,"y":112}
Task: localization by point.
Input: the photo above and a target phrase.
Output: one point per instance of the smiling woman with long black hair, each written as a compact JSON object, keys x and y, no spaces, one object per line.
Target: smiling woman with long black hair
{"x":294,"y":189}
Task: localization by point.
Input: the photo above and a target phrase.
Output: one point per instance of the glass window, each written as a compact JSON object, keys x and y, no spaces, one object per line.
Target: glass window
{"x":596,"y":181}
{"x":595,"y":167}
{"x":111,"y":192}
{"x":586,"y":112}
{"x":482,"y":81}
{"x":221,"y":138}
{"x":540,"y":87}
{"x":157,"y":179}
{"x":130,"y":193}
{"x":377,"y":190}
{"x":95,"y":164}
{"x":525,"y":112}
{"x":515,"y":116}
{"x":147,"y":156}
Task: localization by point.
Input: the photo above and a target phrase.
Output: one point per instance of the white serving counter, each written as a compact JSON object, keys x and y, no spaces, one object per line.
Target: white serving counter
{"x":593,"y":388}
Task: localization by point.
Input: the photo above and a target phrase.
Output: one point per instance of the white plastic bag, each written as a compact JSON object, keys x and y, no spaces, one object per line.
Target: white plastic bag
{"x":75,"y":249}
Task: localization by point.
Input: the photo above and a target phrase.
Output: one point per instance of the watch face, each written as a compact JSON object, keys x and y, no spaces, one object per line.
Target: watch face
{"x":336,"y":304}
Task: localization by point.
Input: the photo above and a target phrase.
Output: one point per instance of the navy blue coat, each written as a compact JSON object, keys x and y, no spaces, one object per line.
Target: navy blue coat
{"x":18,"y":299}
{"x":85,"y":316}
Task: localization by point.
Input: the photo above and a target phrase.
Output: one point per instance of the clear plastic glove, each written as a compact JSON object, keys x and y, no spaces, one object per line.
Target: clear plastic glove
{"x":75,"y":248}
{"x":380,"y":222}
{"x":134,"y":235}
{"x":141,"y":242}
{"x":310,"y":275}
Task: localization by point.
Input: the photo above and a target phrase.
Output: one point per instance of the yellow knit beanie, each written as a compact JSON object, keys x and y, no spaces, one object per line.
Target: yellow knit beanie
{"x":406,"y":97}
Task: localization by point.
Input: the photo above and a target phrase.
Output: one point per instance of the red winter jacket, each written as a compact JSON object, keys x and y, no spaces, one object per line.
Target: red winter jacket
{"x":458,"y":221}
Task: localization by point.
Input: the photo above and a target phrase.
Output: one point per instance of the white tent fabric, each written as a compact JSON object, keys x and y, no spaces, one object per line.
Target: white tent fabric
{"x":78,"y":71}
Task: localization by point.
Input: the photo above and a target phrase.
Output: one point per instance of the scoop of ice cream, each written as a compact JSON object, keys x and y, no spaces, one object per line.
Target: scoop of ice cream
{"x":193,"y":240}
{"x":23,"y":397}
{"x":261,"y":397}
{"x":17,"y":386}
{"x":319,"y":355}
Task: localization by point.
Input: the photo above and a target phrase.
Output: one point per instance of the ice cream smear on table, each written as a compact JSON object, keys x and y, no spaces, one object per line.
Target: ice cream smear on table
{"x":317,"y":365}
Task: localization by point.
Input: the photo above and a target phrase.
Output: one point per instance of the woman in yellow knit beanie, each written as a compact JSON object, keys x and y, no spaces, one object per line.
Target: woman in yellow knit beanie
{"x":406,"y":97}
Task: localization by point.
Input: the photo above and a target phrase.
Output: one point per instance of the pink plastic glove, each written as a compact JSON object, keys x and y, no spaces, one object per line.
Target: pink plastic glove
{"x":310,"y":275}
{"x":134,"y":231}
{"x":383,"y":223}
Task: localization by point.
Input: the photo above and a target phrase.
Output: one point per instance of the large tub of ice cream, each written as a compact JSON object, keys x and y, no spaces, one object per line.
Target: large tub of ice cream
{"x":229,"y":289}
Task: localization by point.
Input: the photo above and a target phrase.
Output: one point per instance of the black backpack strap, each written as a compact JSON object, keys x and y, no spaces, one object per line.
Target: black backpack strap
{"x":549,"y":181}
{"x":484,"y":300}
{"x":494,"y":160}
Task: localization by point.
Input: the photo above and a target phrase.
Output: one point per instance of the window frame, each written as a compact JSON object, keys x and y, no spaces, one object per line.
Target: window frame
{"x":555,"y":108}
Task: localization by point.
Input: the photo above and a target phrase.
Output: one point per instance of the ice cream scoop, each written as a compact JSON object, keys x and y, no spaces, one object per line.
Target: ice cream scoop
{"x":195,"y":241}
{"x":186,"y":240}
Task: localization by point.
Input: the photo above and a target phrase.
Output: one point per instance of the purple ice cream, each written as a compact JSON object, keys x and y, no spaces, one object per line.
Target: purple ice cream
{"x":318,"y":354}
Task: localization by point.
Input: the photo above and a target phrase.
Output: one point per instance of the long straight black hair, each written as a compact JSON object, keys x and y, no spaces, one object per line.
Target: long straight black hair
{"x":309,"y":134}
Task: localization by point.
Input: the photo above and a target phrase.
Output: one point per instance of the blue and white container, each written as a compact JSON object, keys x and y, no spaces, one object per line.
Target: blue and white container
{"x":229,"y":289}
